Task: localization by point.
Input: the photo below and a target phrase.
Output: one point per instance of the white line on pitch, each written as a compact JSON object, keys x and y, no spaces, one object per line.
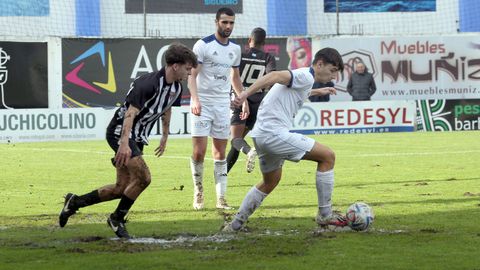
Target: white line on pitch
{"x":414,"y":154}
{"x":188,"y":157}
{"x":99,"y":152}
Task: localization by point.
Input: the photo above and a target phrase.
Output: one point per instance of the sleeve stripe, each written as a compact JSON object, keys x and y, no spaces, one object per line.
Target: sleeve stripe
{"x":291,"y":79}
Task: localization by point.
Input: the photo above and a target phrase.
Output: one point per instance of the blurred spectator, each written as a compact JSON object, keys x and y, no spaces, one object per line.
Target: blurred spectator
{"x":361,"y":85}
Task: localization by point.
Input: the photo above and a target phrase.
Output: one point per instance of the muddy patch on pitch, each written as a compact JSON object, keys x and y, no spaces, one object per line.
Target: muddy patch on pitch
{"x":181,"y":240}
{"x":89,"y":239}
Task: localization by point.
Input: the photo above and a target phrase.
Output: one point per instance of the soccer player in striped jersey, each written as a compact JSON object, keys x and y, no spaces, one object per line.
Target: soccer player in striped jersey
{"x":255,"y":64}
{"x":210,"y":84}
{"x":150,"y":97}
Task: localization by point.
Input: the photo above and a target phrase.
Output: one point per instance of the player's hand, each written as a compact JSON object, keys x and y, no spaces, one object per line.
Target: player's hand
{"x":123,"y":155}
{"x":196,"y":107}
{"x":161,"y":148}
{"x":245,"y":110}
{"x":327,"y":90}
{"x":240,"y":99}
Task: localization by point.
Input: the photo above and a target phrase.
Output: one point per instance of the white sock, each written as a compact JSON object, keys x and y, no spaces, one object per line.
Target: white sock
{"x":324,"y":185}
{"x":220,"y":174}
{"x":250,"y":203}
{"x":197,"y":175}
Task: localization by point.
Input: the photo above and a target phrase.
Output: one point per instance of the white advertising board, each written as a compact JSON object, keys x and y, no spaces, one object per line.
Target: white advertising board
{"x":37,"y":125}
{"x":355,"y":117}
{"x":34,"y":125}
{"x":412,"y":68}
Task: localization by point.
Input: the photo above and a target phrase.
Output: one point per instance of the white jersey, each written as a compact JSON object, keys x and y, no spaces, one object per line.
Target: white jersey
{"x":281,"y":104}
{"x":217,"y":59}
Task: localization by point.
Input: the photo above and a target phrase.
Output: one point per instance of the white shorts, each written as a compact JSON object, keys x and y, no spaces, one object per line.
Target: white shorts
{"x":214,"y":121}
{"x":275,"y":149}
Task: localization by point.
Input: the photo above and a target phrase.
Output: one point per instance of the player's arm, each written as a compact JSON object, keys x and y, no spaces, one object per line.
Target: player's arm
{"x":195,"y":106}
{"x":323,"y":91}
{"x":282,"y":77}
{"x":238,"y":88}
{"x":124,"y":152}
{"x":165,"y":131}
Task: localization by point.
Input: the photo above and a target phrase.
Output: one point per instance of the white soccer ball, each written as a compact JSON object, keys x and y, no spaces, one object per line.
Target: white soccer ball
{"x":360,"y":216}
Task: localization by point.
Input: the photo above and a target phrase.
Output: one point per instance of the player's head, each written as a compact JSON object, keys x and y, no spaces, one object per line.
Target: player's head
{"x":224,"y":20}
{"x":257,"y":37}
{"x":181,"y":60}
{"x":326,"y":63}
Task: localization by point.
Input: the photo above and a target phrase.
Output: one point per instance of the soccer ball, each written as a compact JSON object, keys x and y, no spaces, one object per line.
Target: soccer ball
{"x":359,"y":216}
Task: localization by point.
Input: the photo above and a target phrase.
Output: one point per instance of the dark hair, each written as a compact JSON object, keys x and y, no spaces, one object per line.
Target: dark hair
{"x":331,"y":56}
{"x":258,"y":36}
{"x":179,"y":53}
{"x":226,"y":11}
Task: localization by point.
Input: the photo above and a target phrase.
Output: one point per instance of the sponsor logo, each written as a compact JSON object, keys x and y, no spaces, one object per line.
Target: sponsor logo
{"x":201,"y":124}
{"x":430,"y":115}
{"x":448,"y":115}
{"x":73,"y":76}
{"x":216,"y":77}
{"x":47,"y":121}
{"x":306,"y":116}
{"x":213,"y":64}
{"x":4,"y":58}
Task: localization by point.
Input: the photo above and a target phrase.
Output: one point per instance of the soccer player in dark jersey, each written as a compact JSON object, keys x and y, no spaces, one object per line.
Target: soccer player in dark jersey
{"x":150,"y":97}
{"x":255,"y":63}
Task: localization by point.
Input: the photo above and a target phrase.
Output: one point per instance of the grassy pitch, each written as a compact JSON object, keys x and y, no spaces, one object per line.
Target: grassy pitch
{"x":423,"y":187}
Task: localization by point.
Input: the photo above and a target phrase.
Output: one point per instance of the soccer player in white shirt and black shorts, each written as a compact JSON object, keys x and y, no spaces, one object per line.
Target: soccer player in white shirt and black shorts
{"x":255,"y":64}
{"x":210,"y":84}
{"x":150,"y":97}
{"x":275,"y":143}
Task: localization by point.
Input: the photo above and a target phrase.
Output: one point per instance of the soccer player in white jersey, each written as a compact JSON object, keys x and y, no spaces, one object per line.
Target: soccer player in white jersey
{"x":275,"y":143}
{"x":210,"y":84}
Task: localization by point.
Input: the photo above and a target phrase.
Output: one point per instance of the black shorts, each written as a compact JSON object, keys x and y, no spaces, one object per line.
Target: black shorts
{"x":253,"y":104}
{"x":136,"y":147}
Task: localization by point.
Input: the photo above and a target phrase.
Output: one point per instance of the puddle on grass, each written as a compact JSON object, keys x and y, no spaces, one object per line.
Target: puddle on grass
{"x":387,"y":231}
{"x":188,"y":240}
{"x":279,"y":233}
{"x":181,"y":240}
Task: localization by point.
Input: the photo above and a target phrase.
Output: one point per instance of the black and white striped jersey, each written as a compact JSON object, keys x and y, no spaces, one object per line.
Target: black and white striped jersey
{"x":152,"y":95}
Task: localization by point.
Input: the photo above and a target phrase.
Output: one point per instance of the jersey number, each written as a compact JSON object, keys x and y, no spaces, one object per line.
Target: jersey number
{"x":250,"y":70}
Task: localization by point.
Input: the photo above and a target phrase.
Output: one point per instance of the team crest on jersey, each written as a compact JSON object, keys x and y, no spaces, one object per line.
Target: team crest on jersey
{"x":215,"y":53}
{"x":230,"y":55}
